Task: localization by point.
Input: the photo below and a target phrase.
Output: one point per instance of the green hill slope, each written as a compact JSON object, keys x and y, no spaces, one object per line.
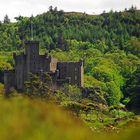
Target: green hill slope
{"x":108,"y":43}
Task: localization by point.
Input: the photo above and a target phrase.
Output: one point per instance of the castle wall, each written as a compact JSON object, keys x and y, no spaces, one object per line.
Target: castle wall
{"x":71,"y":72}
{"x":20,"y":63}
{"x":81,"y":74}
{"x":9,"y":80}
{"x":42,"y":64}
{"x":47,"y":63}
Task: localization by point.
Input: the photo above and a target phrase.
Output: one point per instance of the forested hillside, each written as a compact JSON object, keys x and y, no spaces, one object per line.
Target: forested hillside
{"x":108,"y":43}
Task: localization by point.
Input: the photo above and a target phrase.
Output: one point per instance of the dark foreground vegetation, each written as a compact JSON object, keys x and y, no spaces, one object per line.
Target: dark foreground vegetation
{"x":39,"y":118}
{"x":108,"y":43}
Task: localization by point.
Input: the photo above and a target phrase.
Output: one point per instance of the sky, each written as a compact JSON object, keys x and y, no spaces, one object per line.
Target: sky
{"x":14,"y":8}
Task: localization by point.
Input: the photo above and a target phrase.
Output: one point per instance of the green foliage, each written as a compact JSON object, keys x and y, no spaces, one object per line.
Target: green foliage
{"x":6,"y":19}
{"x":109,"y":45}
{"x":38,"y":120}
{"x":6,"y":63}
{"x":72,"y":93}
{"x":121,"y":114}
{"x":133,"y":91}
{"x":73,"y":106}
{"x":114,"y":94}
{"x":38,"y":87}
{"x":133,"y":46}
{"x":54,"y":28}
{"x":5,"y":66}
{"x":35,"y":119}
{"x":9,"y":39}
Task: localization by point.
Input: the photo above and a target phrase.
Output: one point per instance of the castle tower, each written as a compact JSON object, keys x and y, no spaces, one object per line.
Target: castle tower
{"x":32,"y":57}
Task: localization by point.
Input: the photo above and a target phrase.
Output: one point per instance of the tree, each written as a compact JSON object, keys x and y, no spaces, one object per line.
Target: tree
{"x":39,"y":86}
{"x":133,"y":46}
{"x":133,"y":91}
{"x":19,"y":18}
{"x":51,"y":8}
{"x":6,"y":19}
{"x":133,"y":9}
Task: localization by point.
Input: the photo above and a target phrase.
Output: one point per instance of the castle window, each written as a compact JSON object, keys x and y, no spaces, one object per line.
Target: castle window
{"x":76,"y":77}
{"x":76,"y":69}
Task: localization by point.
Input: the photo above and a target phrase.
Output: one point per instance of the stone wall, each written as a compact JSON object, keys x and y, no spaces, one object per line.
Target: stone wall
{"x":9,"y":80}
{"x":71,"y":72}
{"x":32,"y":57}
{"x":20,"y":73}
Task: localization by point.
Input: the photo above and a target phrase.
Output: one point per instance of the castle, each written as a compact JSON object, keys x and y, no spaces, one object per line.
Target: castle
{"x":31,"y":62}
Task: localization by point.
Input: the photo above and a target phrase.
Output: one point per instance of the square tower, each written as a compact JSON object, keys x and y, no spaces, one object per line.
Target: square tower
{"x":32,"y":57}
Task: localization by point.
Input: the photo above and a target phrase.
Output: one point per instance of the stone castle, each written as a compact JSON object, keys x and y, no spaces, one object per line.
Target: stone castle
{"x":31,"y":62}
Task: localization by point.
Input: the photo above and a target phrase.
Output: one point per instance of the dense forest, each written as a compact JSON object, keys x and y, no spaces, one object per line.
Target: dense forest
{"x":108,"y":43}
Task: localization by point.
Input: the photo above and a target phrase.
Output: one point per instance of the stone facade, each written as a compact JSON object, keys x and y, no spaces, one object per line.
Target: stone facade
{"x":70,"y":72}
{"x":31,"y":62}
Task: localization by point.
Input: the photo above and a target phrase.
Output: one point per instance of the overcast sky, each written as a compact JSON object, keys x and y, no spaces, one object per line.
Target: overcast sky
{"x":28,"y":7}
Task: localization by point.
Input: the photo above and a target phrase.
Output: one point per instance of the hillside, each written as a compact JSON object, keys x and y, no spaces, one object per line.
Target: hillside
{"x":109,"y":45}
{"x":27,"y":119}
{"x":114,"y":29}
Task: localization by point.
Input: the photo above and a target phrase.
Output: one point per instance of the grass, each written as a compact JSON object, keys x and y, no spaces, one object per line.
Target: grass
{"x":26,"y":119}
{"x":1,"y":89}
{"x":22,"y":118}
